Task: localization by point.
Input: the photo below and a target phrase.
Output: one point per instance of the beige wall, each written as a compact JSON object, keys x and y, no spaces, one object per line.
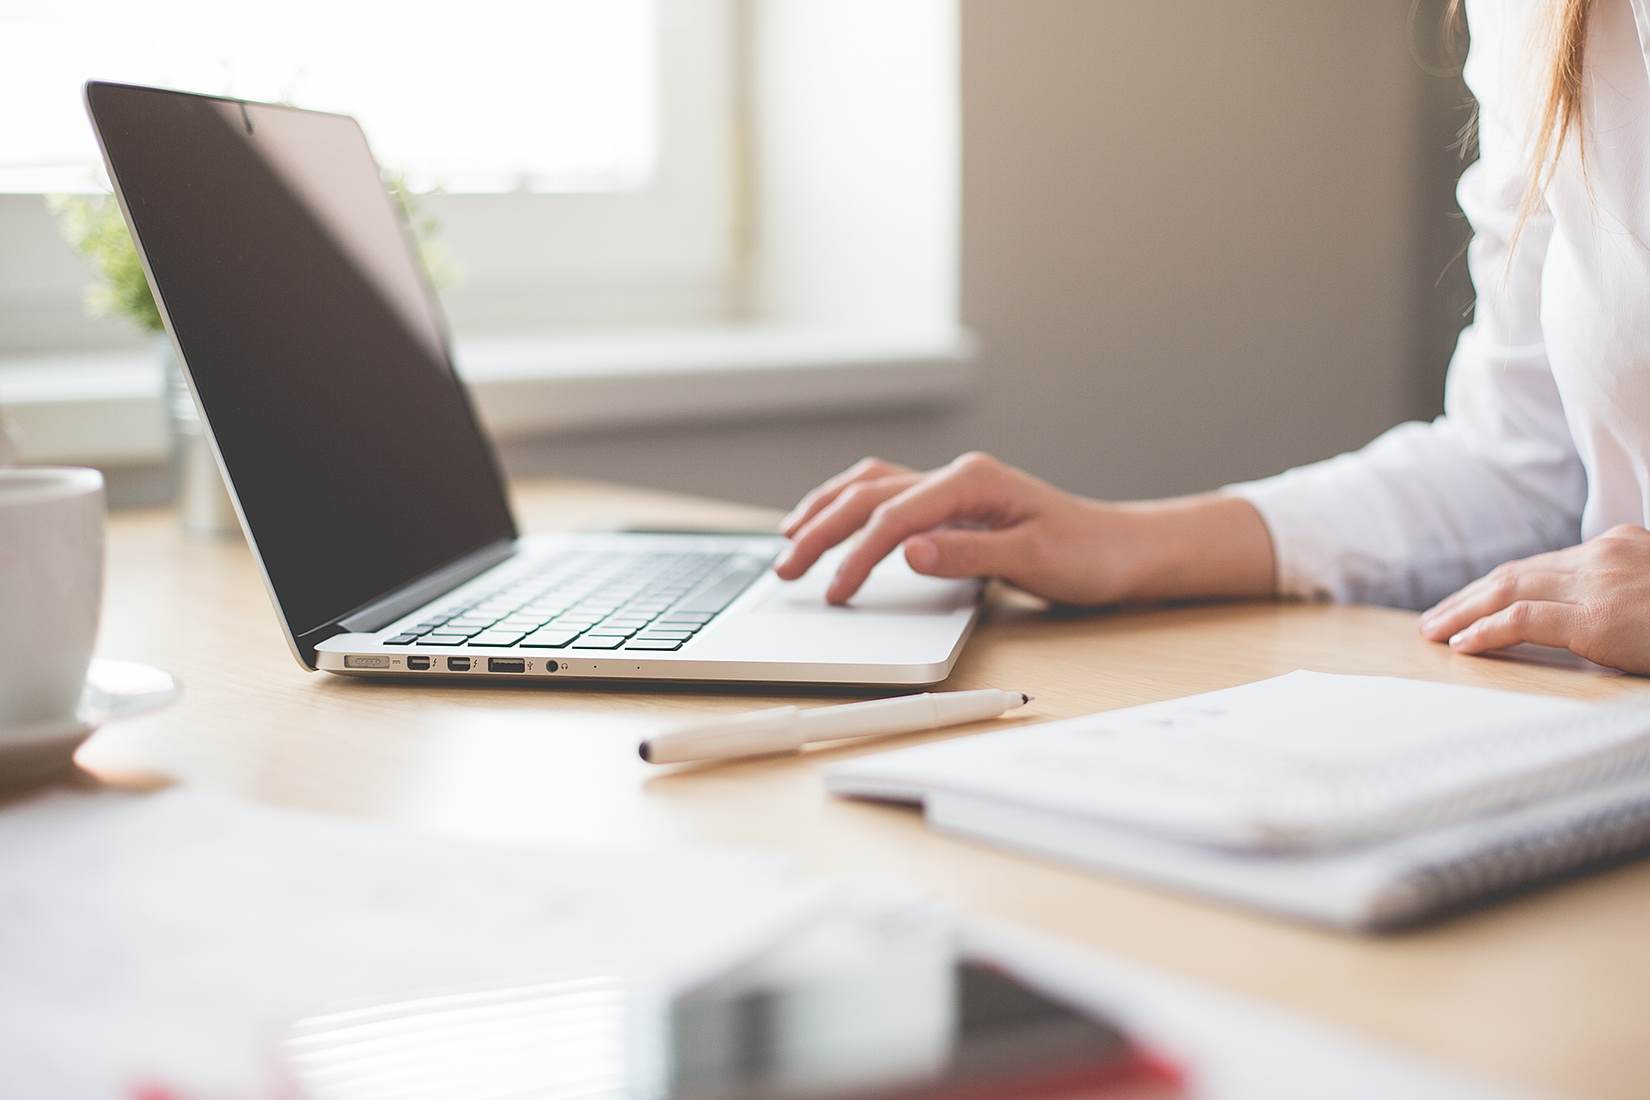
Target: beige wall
{"x":1199,"y":243}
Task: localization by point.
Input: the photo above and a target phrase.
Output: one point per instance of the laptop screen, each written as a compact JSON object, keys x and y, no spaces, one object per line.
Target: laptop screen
{"x":315,"y":346}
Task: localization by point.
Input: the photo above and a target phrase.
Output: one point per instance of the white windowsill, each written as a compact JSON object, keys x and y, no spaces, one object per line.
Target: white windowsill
{"x":105,"y":408}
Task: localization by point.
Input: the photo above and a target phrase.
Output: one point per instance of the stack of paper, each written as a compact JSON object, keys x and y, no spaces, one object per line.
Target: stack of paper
{"x":172,"y":941}
{"x":1353,"y":800}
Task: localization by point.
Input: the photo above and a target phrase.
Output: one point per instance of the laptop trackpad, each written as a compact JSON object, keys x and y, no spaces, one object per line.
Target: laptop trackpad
{"x":892,"y":588}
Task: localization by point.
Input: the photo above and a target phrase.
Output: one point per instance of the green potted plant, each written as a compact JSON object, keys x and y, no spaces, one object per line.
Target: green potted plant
{"x":93,"y":226}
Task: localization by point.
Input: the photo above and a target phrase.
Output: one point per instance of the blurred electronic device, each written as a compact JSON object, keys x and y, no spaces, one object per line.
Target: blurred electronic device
{"x":989,"y":1037}
{"x":848,"y":1034}
{"x":371,"y":497}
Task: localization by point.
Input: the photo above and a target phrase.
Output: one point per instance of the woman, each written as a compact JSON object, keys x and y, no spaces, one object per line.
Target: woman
{"x":1519,"y":514}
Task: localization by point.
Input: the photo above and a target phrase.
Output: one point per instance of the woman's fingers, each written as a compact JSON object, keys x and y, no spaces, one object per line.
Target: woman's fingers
{"x":962,"y":491}
{"x":1493,"y":592}
{"x":960,"y":553}
{"x":1541,"y":622}
{"x":1554,"y":561}
{"x":846,"y":513}
{"x":866,"y":469}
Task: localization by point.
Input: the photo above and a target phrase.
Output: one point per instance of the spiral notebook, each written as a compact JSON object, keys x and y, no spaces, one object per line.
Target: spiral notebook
{"x":1364,"y":802}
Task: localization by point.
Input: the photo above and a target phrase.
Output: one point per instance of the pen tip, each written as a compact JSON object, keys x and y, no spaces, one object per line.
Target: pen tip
{"x":1024,"y":698}
{"x":645,"y":751}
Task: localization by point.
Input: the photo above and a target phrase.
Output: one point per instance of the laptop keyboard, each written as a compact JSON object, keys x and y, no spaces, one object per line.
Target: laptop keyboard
{"x":650,"y":600}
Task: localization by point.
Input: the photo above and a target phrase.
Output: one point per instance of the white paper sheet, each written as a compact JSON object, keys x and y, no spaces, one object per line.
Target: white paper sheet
{"x":173,"y":939}
{"x":1297,"y":761}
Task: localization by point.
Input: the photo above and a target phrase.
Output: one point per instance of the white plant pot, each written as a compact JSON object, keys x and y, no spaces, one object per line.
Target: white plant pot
{"x":8,"y":439}
{"x":203,"y":503}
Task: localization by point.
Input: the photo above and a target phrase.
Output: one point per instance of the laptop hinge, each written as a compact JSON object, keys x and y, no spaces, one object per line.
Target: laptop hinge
{"x":380,"y":613}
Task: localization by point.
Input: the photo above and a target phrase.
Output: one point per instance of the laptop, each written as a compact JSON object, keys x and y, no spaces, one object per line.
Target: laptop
{"x":371,"y":497}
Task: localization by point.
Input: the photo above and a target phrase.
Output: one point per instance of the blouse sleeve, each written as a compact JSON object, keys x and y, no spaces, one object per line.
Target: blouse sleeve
{"x":1426,"y":508}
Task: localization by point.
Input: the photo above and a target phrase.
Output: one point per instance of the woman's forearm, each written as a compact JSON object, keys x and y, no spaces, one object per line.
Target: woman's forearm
{"x":979,"y":517}
{"x":1209,"y":546}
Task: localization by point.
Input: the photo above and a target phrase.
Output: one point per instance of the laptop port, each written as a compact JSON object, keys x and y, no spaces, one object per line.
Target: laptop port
{"x":418,"y":664}
{"x":458,"y":664}
{"x":506,"y":664}
{"x":366,"y":660}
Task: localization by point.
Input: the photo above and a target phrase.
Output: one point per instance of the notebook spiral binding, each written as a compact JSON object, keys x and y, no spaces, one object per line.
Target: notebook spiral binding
{"x":1586,"y":841}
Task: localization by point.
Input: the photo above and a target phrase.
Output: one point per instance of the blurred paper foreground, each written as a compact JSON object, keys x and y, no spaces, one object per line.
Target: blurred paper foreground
{"x":170,"y":941}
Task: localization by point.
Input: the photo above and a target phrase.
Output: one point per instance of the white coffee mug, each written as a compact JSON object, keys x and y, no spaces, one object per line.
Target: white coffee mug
{"x":51,"y":590}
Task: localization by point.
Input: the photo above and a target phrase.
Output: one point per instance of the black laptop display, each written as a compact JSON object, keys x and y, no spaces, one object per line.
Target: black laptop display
{"x":312,"y":340}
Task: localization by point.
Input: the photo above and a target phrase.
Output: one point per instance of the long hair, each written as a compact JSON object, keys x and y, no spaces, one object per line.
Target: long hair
{"x":1559,"y":48}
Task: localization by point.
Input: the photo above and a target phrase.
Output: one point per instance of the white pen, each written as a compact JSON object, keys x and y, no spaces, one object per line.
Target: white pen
{"x":786,"y":729}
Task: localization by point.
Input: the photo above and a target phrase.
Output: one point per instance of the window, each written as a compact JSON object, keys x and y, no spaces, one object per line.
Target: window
{"x":557,"y":95}
{"x":658,"y":210}
{"x":581,"y":150}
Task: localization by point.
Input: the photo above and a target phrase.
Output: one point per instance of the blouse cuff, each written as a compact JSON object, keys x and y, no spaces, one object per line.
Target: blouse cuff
{"x":1306,"y":562}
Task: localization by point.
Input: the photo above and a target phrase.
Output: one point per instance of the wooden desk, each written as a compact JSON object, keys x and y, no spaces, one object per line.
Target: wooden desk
{"x":1550,"y":992}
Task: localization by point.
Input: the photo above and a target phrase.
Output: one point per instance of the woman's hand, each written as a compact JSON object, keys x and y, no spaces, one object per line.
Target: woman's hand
{"x":978,"y":517}
{"x":1592,"y":599}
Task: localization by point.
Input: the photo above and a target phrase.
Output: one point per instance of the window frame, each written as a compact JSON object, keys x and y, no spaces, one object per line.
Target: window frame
{"x":660,"y":254}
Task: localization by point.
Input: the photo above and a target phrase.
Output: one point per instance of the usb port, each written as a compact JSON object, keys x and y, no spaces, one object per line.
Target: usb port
{"x":458,"y":664}
{"x":506,"y":664}
{"x":418,"y":664}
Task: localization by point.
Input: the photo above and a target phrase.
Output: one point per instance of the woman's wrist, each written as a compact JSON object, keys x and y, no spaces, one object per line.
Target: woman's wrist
{"x":1210,"y":546}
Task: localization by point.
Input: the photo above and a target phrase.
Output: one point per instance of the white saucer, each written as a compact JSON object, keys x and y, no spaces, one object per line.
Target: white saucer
{"x":114,"y":690}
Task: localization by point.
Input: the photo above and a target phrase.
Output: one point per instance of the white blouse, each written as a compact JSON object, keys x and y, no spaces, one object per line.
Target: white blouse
{"x":1545,"y":437}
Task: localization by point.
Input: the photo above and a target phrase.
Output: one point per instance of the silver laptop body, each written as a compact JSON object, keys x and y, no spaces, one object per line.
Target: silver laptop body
{"x":902,"y":630}
{"x":369,"y":494}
